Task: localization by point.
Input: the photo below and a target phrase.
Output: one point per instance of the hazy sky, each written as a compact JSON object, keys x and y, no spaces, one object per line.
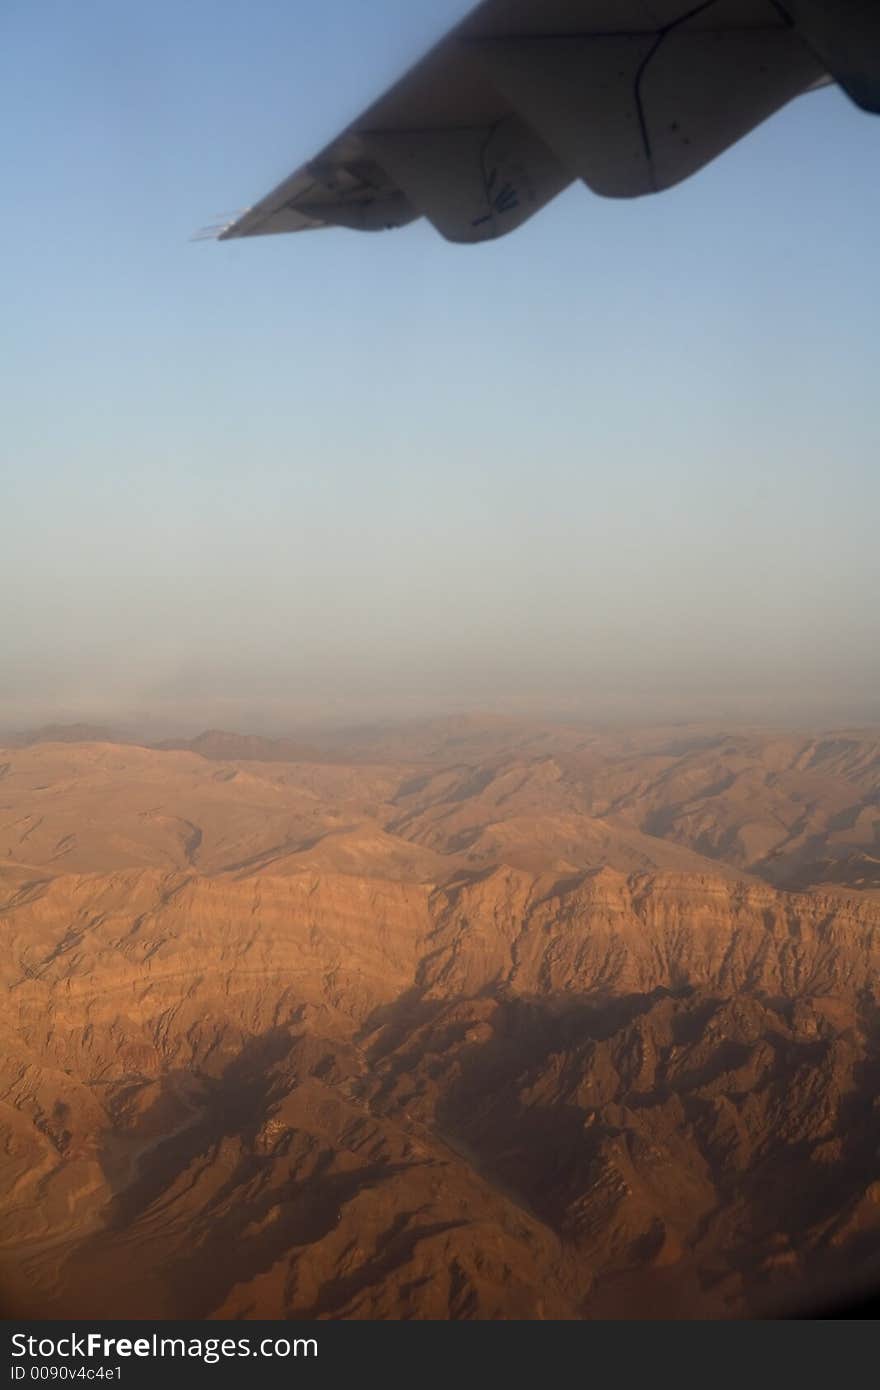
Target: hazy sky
{"x":626,"y":458}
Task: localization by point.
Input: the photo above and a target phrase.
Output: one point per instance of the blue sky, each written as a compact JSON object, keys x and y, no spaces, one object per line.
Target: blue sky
{"x":624,"y":460}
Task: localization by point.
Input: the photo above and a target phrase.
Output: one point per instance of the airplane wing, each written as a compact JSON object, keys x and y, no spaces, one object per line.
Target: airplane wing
{"x":525,"y":96}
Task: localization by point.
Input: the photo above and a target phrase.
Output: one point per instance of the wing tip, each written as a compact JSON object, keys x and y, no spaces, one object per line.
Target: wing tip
{"x":222,"y":230}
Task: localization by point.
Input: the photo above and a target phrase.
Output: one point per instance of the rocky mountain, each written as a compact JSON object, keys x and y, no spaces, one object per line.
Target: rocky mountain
{"x":66,"y":733}
{"x":223,"y":746}
{"x":574,"y":1029}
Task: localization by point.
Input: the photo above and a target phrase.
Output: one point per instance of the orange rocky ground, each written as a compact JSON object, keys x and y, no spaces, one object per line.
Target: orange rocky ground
{"x":466,"y":1019}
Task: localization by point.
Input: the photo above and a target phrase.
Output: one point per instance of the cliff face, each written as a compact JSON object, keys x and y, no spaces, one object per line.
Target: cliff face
{"x":268,"y":1082}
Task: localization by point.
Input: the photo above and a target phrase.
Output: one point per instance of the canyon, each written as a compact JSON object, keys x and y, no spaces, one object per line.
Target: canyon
{"x":468,"y":1018}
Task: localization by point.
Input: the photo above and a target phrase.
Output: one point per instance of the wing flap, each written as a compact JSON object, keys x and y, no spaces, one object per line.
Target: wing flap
{"x":703,"y":91}
{"x":579,"y":93}
{"x":472,"y":184}
{"x":342,"y":188}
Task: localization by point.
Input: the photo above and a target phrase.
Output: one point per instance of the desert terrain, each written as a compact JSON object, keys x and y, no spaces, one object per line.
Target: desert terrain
{"x":466,"y":1018}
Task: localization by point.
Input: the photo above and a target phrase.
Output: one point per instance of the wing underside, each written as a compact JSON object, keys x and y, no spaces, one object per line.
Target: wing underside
{"x":525,"y":96}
